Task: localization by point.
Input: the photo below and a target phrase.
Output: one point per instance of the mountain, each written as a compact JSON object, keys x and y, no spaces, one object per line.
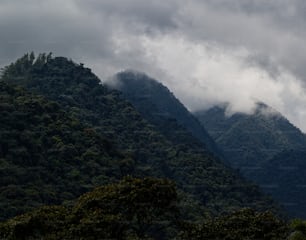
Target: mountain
{"x":129,"y":144}
{"x":249,"y":140}
{"x":160,"y":107}
{"x":266,"y":148}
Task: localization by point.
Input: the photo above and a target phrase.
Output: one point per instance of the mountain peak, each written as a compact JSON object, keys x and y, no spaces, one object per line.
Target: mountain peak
{"x":141,"y":81}
{"x":259,"y":109}
{"x":63,"y":71}
{"x":159,"y":105}
{"x":264,"y":133}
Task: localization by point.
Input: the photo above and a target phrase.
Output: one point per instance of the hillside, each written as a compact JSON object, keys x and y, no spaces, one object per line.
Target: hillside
{"x":160,"y":107}
{"x":250,"y":140}
{"x":46,"y":155}
{"x":145,"y":151}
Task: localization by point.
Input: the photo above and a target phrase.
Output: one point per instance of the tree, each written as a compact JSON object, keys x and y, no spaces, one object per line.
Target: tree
{"x":137,"y":206}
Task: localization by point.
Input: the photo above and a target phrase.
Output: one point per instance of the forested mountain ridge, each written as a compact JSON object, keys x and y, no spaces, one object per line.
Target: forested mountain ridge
{"x":266,"y":148}
{"x":160,"y":107}
{"x":251,"y":139}
{"x":146,"y":152}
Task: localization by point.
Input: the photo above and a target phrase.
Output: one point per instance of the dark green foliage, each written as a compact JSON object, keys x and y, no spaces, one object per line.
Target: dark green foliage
{"x":47,"y":155}
{"x":244,"y":224}
{"x":298,"y":227}
{"x":141,"y":209}
{"x":80,"y":159}
{"x":129,"y":209}
{"x":47,"y":222}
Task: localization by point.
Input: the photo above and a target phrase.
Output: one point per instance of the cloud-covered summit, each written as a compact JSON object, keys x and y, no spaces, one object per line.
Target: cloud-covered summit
{"x":205,"y":51}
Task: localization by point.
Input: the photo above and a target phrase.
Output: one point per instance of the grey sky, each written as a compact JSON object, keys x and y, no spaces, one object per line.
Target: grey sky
{"x":205,"y":51}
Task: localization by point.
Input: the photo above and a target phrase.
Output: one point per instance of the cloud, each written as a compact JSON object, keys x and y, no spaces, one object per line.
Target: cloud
{"x":206,"y":51}
{"x":43,"y":26}
{"x":268,"y":28}
{"x":208,"y":74}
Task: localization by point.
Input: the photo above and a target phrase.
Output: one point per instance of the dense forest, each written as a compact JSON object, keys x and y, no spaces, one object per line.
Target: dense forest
{"x":143,"y":209}
{"x":47,"y":155}
{"x":64,"y":133}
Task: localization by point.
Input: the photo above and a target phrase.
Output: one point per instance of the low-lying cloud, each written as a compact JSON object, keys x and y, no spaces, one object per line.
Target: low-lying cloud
{"x":209,"y":74}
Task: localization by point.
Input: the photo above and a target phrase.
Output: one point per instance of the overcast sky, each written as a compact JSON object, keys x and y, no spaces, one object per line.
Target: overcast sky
{"x":206,"y":51}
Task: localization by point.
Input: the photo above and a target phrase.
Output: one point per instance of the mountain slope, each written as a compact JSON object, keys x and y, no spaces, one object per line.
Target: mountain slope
{"x":267,"y":148}
{"x":284,"y":177}
{"x":159,"y":106}
{"x":146,"y":152}
{"x":249,"y":140}
{"x":46,"y":155}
